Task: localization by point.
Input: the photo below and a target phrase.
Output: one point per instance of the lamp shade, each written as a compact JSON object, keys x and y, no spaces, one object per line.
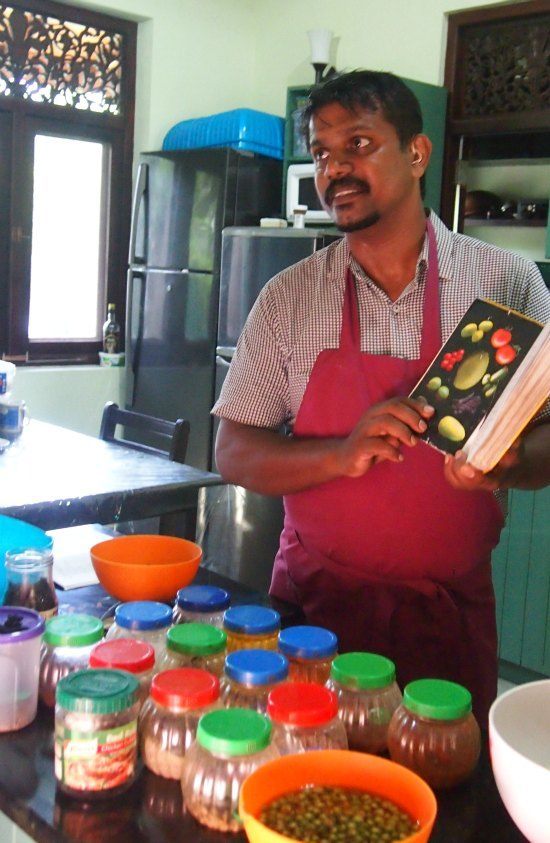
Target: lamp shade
{"x":320,"y":41}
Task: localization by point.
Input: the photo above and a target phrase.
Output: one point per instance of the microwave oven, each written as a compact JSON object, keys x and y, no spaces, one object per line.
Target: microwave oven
{"x":300,"y":190}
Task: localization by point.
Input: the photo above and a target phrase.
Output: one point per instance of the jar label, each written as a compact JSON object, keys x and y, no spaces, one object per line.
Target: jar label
{"x":95,"y":760}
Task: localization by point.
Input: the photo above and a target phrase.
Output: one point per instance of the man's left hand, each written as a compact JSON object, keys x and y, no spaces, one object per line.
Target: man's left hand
{"x":462,"y":475}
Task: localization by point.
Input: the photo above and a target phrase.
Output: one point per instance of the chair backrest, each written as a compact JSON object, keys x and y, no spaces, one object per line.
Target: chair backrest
{"x":175,"y":433}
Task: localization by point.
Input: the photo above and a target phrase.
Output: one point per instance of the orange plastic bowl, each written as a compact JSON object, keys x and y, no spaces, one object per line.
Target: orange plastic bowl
{"x":144,"y":567}
{"x":337,"y":768}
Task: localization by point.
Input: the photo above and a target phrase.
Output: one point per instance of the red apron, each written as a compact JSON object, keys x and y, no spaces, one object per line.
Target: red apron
{"x":397,"y":561}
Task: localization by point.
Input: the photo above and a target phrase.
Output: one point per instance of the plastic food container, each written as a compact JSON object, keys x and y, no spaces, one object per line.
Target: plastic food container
{"x":250,"y":675}
{"x":434,"y":732}
{"x":169,"y":718}
{"x":137,"y":657}
{"x":230,"y":744}
{"x":368,"y":695}
{"x":68,"y":642}
{"x":195,"y":645}
{"x":96,"y":733}
{"x":20,"y":638}
{"x":240,"y":128}
{"x":251,"y":627}
{"x":305,"y":717}
{"x":310,"y":651}
{"x":144,"y":619}
{"x":202,"y":603}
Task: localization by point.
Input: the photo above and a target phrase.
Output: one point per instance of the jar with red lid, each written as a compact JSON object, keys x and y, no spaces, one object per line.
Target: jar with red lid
{"x":169,"y":717}
{"x":251,"y":627}
{"x":249,"y":676}
{"x":310,"y":651}
{"x":434,"y":732}
{"x":195,"y":645}
{"x":137,"y":657}
{"x":305,"y":717}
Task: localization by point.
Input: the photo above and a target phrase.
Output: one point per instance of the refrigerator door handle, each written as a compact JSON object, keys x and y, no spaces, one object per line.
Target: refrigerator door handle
{"x":139,"y":192}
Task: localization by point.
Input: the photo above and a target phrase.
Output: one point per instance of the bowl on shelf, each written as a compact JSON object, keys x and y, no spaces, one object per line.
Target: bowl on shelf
{"x":335,"y":768}
{"x":519,"y":741}
{"x":145,"y":567}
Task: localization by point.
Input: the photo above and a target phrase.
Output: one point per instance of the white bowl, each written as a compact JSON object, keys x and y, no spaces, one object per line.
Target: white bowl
{"x":519,"y":740}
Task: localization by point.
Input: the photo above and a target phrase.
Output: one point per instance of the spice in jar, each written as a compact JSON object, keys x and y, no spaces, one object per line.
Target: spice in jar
{"x":147,"y":620}
{"x":137,"y":657}
{"x":251,"y":627}
{"x":250,"y":675}
{"x":30,"y":581}
{"x":310,"y":651}
{"x":305,"y":717}
{"x":66,"y":647}
{"x":195,"y":645}
{"x":201,"y":603}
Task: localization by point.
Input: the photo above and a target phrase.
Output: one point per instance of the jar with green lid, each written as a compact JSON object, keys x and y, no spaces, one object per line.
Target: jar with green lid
{"x":368,"y":695}
{"x":251,"y":627}
{"x":194,"y":645}
{"x":95,"y":739}
{"x":434,"y":732}
{"x":66,"y":647}
{"x":230,"y":745}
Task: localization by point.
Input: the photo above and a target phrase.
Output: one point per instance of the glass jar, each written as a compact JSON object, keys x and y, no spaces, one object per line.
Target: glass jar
{"x":305,"y":717}
{"x":137,"y":657}
{"x":96,"y":733}
{"x":250,"y":675}
{"x":368,"y":695}
{"x":147,"y":620}
{"x":195,"y":645}
{"x":251,"y":627}
{"x":66,"y":647}
{"x":310,"y":651}
{"x":230,"y":745}
{"x":434,"y":732}
{"x":30,"y":581}
{"x":202,"y":603}
{"x":169,"y":718}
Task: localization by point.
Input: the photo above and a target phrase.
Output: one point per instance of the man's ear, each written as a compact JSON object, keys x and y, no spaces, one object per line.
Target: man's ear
{"x":420,"y":150}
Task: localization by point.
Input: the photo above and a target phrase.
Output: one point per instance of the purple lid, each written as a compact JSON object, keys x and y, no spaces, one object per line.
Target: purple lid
{"x":19,"y":624}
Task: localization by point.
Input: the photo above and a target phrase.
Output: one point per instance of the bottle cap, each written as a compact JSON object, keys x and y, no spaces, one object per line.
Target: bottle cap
{"x":362,"y":670}
{"x":234,"y":731}
{"x":302,"y":704}
{"x":307,"y":642}
{"x":251,"y":620}
{"x":203,"y":598}
{"x":256,"y":667}
{"x":97,"y":691}
{"x":185,"y":687}
{"x":437,"y":699}
{"x":143,"y":614}
{"x":196,"y":639}
{"x":76,"y":630}
{"x":125,"y":654}
{"x":19,"y":624}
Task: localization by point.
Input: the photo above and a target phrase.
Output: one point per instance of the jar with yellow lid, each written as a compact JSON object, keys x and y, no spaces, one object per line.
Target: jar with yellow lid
{"x":251,"y":627}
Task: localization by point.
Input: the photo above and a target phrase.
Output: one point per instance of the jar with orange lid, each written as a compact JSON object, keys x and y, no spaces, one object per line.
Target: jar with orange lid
{"x":148,"y":620}
{"x":249,"y":676}
{"x":137,"y":657}
{"x":310,"y":651}
{"x":66,"y":647}
{"x":251,"y":627}
{"x":195,"y":645}
{"x":434,"y":732}
{"x":202,"y":604}
{"x":305,"y":717}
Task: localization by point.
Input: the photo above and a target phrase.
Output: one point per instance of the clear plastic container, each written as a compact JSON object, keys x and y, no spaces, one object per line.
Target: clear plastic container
{"x":434,"y":732}
{"x":230,"y":745}
{"x":66,"y":647}
{"x":169,"y":718}
{"x":251,"y":627}
{"x":201,"y":603}
{"x":195,"y":645}
{"x":305,"y":717}
{"x":147,"y":620}
{"x":310,"y":651}
{"x":30,"y":581}
{"x":21,"y":635}
{"x":368,"y":695}
{"x":250,"y":675}
{"x":137,"y":657}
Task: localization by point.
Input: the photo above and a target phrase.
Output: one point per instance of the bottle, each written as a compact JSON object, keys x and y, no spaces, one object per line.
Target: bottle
{"x":147,"y":620}
{"x":30,"y":581}
{"x":129,"y":654}
{"x":111,"y":332}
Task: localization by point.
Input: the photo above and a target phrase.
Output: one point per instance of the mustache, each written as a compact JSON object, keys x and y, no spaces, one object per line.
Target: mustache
{"x":339,"y":184}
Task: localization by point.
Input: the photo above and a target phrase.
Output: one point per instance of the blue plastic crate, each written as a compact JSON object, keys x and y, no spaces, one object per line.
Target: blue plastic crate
{"x":242,"y":128}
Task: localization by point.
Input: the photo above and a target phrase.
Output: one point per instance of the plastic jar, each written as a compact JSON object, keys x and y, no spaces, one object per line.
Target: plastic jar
{"x":250,"y":675}
{"x":137,"y":657}
{"x":305,"y":717}
{"x":310,"y":651}
{"x":251,"y":627}
{"x":368,"y":695}
{"x":202,"y":603}
{"x":66,"y":647}
{"x":230,"y":745}
{"x":434,"y":732}
{"x":21,"y":635}
{"x":144,"y":619}
{"x":169,"y":718}
{"x":96,"y":733}
{"x":195,"y":645}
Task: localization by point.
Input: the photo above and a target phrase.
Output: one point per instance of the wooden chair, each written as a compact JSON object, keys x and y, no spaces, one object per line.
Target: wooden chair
{"x":175,"y":434}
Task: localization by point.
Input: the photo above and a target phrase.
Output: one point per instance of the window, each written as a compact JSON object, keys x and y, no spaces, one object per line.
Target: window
{"x":66,"y":123}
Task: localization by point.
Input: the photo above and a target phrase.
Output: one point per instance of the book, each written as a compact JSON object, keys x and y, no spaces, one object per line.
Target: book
{"x":486,"y":383}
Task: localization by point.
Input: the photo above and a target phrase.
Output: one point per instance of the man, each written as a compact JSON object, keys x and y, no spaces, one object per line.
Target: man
{"x":385,"y":541}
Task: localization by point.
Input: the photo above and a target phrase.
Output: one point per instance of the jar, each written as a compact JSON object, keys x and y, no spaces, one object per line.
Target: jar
{"x":203,"y":603}
{"x":368,"y":695}
{"x":230,"y":745}
{"x":305,"y":717}
{"x":144,"y":619}
{"x":66,"y":647}
{"x":250,"y":675}
{"x":137,"y":657}
{"x":30,"y":581}
{"x":434,"y":732}
{"x":96,"y":733}
{"x":20,"y":638}
{"x":310,"y":651}
{"x":169,"y":718}
{"x":195,"y":645}
{"x":251,"y":627}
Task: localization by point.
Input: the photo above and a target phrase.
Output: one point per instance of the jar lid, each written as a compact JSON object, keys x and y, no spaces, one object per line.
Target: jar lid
{"x":19,"y":624}
{"x":252,"y":620}
{"x":76,"y":630}
{"x":363,"y":670}
{"x":203,"y":598}
{"x":307,"y":642}
{"x":437,"y":699}
{"x":185,"y":687}
{"x":234,"y":731}
{"x":302,"y":704}
{"x":143,"y":614}
{"x":129,"y":654}
{"x":97,"y":691}
{"x":196,"y":639}
{"x":256,"y":667}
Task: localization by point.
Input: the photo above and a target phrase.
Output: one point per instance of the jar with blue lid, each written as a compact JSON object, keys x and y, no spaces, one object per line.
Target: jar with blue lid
{"x":249,"y":676}
{"x":310,"y":651}
{"x":146,"y":620}
{"x":251,"y":627}
{"x":201,"y":603}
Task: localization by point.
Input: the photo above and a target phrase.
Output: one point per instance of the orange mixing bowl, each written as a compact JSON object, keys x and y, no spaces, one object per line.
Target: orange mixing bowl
{"x":143,"y":567}
{"x":337,"y":768}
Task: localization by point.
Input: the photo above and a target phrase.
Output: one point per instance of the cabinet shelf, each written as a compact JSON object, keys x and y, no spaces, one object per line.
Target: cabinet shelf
{"x":482,"y":221}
